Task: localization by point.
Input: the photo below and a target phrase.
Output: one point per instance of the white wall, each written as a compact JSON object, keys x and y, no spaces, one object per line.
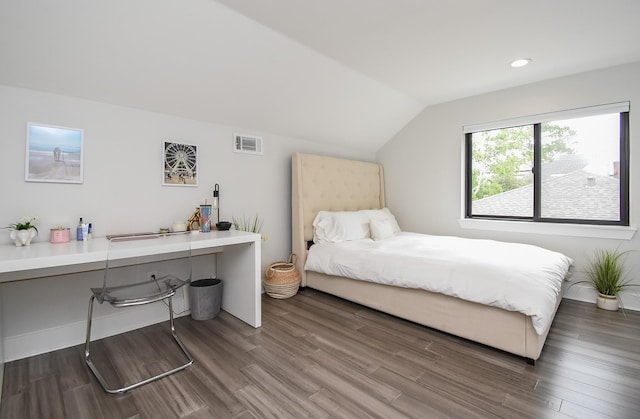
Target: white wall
{"x":424,"y":164}
{"x":122,"y":192}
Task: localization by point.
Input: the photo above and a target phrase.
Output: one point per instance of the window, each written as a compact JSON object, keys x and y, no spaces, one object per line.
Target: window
{"x":569,"y":167}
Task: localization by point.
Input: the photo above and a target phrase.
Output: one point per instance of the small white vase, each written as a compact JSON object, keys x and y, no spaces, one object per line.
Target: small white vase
{"x":22,"y":237}
{"x":607,"y":302}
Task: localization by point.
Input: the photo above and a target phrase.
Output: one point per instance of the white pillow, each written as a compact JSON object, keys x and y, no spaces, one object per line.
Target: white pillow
{"x":381,"y":229}
{"x":331,"y":227}
{"x":383,"y":214}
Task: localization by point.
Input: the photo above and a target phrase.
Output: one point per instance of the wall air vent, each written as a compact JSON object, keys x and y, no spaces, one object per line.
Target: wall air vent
{"x":249,"y":144}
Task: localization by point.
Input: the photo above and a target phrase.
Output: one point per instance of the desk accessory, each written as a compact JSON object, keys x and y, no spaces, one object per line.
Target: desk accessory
{"x":220,"y":225}
{"x":60,"y":235}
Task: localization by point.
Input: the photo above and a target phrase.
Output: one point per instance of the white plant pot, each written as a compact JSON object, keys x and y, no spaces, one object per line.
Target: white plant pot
{"x":607,"y":302}
{"x":22,"y":237}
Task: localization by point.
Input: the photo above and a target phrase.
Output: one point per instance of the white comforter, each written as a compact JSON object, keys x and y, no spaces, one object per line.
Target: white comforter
{"x":514,"y":277}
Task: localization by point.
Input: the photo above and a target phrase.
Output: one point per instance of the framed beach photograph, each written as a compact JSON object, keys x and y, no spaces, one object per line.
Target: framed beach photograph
{"x":54,"y":154}
{"x":179,"y":164}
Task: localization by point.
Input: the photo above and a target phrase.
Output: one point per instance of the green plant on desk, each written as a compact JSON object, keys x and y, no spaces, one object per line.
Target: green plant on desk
{"x":25,"y":224}
{"x":249,"y":224}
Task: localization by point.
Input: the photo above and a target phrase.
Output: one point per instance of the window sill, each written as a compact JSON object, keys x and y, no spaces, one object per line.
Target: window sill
{"x":556,"y":229}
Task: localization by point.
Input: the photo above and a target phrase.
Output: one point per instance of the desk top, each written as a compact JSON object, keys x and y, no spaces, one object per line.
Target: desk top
{"x":45,"y":255}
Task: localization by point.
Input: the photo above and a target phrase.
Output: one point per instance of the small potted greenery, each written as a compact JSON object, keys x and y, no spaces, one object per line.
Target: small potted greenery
{"x":252,"y":225}
{"x":24,"y":231}
{"x":607,"y":276}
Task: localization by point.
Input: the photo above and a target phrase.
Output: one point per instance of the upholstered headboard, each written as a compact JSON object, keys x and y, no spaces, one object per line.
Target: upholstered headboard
{"x":330,"y":184}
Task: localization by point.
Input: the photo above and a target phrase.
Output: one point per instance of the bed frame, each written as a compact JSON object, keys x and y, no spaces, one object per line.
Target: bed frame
{"x":332,"y":184}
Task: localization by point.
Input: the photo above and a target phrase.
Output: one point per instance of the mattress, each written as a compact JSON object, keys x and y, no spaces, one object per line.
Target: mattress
{"x":510,"y":276}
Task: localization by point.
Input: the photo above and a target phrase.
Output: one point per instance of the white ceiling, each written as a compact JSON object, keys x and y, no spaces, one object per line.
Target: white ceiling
{"x":347,"y":72}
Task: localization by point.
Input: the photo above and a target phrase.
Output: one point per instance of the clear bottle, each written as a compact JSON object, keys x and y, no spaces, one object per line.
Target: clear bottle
{"x":79,"y":236}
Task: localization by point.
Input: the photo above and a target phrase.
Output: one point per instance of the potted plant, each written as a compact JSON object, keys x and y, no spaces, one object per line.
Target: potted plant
{"x":252,"y":225}
{"x":607,"y":276}
{"x":24,"y":231}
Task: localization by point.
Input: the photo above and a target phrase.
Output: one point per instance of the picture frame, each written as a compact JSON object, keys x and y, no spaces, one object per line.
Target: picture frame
{"x":179,"y":164}
{"x":54,"y":154}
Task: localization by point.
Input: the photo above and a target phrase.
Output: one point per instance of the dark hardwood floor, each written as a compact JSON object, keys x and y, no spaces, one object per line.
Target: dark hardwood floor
{"x":320,"y":356}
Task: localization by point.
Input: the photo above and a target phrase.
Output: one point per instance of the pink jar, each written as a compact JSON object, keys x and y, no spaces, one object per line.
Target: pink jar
{"x":60,"y":235}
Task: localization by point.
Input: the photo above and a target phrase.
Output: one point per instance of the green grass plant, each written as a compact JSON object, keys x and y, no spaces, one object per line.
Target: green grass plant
{"x":250,"y":224}
{"x":606,"y":272}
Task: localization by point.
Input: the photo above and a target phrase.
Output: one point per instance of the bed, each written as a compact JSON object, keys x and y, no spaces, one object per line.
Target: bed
{"x":320,"y":184}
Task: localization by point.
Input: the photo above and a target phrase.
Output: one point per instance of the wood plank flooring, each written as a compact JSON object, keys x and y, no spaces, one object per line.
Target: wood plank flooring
{"x":319,"y":356}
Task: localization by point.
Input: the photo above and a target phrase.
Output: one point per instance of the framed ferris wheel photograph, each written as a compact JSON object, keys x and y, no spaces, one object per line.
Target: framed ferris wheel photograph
{"x":179,"y":164}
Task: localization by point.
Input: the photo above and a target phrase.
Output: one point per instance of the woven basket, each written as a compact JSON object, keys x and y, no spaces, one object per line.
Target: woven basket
{"x":282,"y":279}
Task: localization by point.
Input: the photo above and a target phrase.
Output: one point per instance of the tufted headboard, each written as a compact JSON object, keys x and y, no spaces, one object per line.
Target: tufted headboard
{"x":331,"y":184}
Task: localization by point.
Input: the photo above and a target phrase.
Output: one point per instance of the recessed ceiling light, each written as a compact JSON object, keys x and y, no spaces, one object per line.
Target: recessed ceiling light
{"x":520,"y":62}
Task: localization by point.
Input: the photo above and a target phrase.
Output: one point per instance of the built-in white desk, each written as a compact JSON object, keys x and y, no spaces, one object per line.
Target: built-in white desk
{"x":238,"y":265}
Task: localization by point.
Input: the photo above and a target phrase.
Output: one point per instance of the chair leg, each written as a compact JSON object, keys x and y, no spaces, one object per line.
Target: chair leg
{"x":124,"y":389}
{"x":176,"y":338}
{"x":87,"y":358}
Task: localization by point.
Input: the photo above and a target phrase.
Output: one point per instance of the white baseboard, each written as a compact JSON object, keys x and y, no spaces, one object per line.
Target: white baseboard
{"x":47,"y":340}
{"x":583,"y":292}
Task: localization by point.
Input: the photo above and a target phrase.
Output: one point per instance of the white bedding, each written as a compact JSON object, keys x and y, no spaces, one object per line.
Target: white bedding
{"x":511,"y":276}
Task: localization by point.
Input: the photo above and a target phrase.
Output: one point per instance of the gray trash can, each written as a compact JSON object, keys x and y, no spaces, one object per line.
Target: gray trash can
{"x":205,"y":298}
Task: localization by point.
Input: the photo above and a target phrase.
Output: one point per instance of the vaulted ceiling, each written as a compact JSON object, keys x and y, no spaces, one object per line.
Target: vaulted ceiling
{"x":347,"y":72}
